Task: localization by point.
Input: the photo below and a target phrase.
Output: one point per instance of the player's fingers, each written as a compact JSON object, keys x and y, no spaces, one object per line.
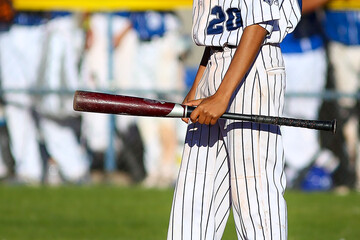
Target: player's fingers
{"x":194,"y":102}
{"x":185,"y":120}
{"x":213,"y":121}
{"x":194,"y":115}
{"x":208,"y":120}
{"x":204,"y":119}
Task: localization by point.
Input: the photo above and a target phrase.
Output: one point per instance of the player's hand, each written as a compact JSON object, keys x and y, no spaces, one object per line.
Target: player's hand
{"x":189,"y":97}
{"x":208,"y":110}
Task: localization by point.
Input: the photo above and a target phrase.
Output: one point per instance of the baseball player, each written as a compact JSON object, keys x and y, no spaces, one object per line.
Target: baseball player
{"x":157,"y":54}
{"x":63,"y":41}
{"x":226,"y":163}
{"x":21,"y":54}
{"x":342,"y":27}
{"x":6,"y":17}
{"x":305,"y":59}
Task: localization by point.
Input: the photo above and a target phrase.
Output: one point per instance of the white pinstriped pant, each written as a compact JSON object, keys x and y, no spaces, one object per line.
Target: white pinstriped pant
{"x":233,"y":163}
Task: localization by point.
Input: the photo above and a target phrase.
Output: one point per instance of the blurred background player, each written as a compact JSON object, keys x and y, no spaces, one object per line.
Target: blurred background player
{"x":21,"y":54}
{"x":342,"y":27}
{"x":94,"y":75}
{"x":6,"y":18}
{"x":131,"y":147}
{"x":146,"y":41}
{"x":58,"y":125}
{"x":39,"y":53}
{"x":306,"y":69}
{"x":159,"y":73}
{"x":100,"y":53}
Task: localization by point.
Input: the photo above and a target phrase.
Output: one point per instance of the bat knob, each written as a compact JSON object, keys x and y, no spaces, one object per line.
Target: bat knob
{"x":76,"y":100}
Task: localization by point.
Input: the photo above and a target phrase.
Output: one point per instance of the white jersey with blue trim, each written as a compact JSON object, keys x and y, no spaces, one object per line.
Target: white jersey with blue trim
{"x":221,"y":22}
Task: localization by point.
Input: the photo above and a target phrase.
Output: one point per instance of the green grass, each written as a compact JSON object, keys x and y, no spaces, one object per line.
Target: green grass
{"x":110,"y":212}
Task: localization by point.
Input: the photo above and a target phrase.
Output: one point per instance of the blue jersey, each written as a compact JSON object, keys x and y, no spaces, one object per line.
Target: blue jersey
{"x":56,"y":14}
{"x":306,"y":37}
{"x":148,"y":24}
{"x":343,"y":26}
{"x":30,"y":18}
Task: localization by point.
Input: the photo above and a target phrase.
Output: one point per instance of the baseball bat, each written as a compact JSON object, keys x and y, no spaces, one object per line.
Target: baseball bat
{"x":86,"y":101}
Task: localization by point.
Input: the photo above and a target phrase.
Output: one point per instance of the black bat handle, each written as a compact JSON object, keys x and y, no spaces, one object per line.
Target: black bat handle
{"x":303,"y":123}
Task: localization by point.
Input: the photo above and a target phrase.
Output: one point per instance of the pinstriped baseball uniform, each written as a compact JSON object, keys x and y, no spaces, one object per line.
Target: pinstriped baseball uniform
{"x":236,"y":164}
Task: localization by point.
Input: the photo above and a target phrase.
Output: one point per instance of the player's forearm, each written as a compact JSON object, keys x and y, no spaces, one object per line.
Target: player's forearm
{"x":249,"y":46}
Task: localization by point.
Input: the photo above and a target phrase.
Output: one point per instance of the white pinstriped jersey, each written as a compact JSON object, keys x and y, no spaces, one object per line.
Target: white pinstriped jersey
{"x":221,"y":22}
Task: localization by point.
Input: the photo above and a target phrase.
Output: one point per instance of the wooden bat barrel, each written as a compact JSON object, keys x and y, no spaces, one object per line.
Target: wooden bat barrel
{"x":85,"y":101}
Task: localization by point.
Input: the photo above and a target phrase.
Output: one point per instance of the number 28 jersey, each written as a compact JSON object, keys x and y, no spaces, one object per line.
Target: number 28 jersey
{"x":222,"y":22}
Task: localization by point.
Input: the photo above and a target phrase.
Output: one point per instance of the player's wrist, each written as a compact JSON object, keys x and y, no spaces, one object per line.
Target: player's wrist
{"x":223,"y":96}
